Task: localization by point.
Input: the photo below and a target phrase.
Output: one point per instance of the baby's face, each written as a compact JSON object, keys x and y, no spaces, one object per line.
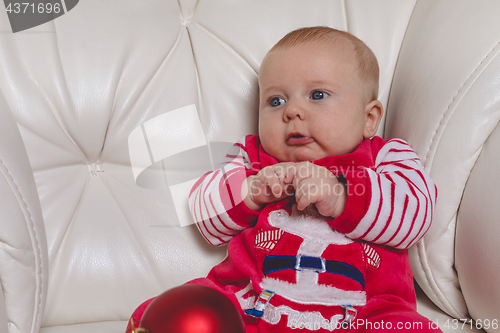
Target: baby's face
{"x":312,"y":102}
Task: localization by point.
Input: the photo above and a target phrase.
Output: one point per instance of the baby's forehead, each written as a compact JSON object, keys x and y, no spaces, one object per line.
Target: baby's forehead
{"x":339,"y":46}
{"x":327,"y":51}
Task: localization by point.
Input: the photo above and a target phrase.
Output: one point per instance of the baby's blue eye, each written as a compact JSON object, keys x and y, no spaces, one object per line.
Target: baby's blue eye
{"x":319,"y":94}
{"x":276,"y":101}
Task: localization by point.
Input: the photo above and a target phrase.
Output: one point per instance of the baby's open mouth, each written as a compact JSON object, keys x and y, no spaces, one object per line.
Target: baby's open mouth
{"x":298,"y":139}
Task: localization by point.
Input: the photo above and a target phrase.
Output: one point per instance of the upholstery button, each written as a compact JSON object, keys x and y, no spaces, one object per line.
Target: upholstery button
{"x":94,"y":168}
{"x":186,"y":22}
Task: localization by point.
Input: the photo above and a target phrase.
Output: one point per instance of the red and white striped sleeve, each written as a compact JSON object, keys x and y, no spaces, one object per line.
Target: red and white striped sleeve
{"x":215,"y":199}
{"x":401,"y":198}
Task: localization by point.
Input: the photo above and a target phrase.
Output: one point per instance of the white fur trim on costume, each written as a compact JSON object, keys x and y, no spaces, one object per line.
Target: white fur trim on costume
{"x":312,"y":321}
{"x":308,"y":227}
{"x":314,"y":294}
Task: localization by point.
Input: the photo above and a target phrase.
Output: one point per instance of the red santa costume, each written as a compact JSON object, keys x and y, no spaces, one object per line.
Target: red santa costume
{"x":290,"y":270}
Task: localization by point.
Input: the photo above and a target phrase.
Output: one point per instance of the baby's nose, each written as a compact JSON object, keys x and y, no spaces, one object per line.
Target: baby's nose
{"x":294,"y":110}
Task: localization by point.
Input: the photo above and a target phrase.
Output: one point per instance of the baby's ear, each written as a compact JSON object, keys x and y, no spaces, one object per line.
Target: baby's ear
{"x":373,"y":115}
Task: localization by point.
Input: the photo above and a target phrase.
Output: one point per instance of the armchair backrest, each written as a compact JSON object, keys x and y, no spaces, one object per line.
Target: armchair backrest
{"x":85,"y":89}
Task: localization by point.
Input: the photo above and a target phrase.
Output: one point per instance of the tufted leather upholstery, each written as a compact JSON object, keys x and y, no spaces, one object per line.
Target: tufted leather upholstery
{"x":82,"y":244}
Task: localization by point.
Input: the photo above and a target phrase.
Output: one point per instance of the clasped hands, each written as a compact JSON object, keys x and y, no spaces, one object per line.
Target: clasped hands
{"x":310,"y":183}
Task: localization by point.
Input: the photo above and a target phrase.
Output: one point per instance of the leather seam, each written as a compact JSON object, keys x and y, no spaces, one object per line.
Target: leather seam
{"x":37,"y":254}
{"x":457,"y":94}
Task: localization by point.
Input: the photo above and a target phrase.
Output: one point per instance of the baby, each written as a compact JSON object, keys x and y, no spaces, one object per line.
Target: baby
{"x":318,"y":211}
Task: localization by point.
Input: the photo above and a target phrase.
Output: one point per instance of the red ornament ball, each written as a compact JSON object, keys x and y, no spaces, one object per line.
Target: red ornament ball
{"x":192,"y":308}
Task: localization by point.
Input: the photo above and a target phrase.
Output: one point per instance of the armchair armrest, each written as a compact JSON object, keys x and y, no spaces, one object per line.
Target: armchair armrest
{"x":23,"y":245}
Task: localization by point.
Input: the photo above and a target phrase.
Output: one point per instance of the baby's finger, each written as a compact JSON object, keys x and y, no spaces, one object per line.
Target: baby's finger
{"x":303,"y":171}
{"x":289,"y":175}
{"x":274,"y":184}
{"x":302,"y":200}
{"x":298,"y":180}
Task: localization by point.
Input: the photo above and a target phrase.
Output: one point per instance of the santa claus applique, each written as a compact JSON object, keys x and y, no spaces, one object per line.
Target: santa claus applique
{"x":311,"y":263}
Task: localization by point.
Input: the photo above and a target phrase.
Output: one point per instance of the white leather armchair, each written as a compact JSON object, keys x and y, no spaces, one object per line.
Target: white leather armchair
{"x":88,"y":230}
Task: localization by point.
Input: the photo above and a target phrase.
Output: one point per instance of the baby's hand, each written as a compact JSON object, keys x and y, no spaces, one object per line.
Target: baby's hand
{"x":272,"y":183}
{"x":317,"y":185}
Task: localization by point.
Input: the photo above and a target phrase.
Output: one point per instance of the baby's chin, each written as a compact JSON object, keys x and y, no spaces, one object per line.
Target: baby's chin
{"x":314,"y":152}
{"x":302,"y":157}
{"x":301,"y":153}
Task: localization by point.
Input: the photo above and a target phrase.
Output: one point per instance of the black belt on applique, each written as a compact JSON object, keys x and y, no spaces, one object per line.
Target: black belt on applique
{"x":317,"y":264}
